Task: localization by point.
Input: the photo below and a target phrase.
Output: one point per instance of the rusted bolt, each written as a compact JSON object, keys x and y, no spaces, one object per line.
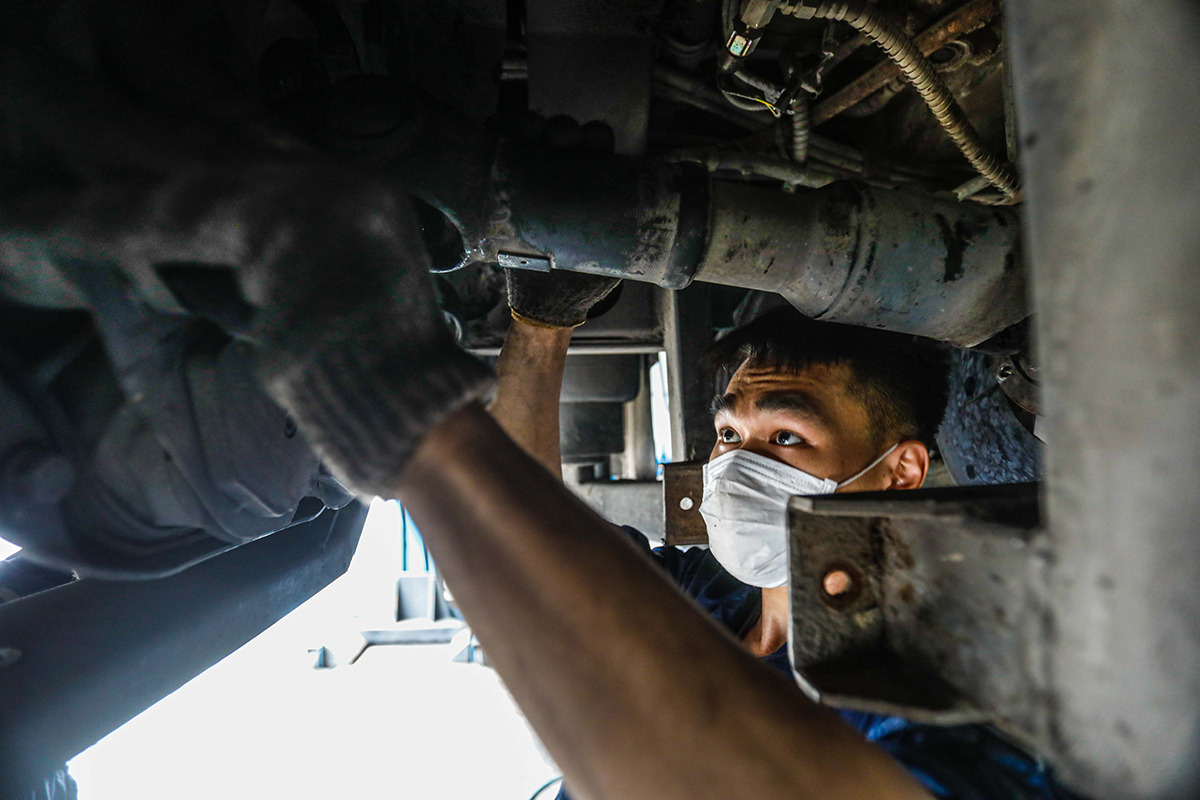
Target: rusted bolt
{"x":837,"y":582}
{"x":841,"y":584}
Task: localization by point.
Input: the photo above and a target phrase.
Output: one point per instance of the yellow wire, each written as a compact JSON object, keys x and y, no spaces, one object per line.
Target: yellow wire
{"x":773,"y":109}
{"x":770,"y":106}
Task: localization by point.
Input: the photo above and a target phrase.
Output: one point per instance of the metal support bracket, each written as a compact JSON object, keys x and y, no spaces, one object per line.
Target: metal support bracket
{"x":683,"y":488}
{"x":922,"y":604}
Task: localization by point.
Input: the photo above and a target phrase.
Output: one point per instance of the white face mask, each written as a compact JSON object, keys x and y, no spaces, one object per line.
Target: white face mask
{"x":745,"y":510}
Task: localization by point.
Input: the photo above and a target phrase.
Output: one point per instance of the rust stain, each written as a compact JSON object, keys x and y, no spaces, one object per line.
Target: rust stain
{"x":965,"y":19}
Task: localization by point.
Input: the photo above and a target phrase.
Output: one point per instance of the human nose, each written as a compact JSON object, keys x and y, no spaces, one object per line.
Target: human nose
{"x":760,"y":447}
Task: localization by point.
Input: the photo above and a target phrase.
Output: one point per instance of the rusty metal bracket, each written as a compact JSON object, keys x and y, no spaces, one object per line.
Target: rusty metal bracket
{"x":922,"y":604}
{"x":967,"y":18}
{"x":683,"y":487}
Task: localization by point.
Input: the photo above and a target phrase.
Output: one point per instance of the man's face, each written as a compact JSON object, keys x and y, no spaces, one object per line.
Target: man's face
{"x":805,"y":419}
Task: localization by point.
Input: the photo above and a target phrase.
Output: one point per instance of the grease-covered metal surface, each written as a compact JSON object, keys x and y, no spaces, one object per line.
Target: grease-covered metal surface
{"x":964,"y":599}
{"x":938,"y":613}
{"x":598,"y":213}
{"x":875,"y":257}
{"x":981,"y":439}
{"x":963,"y":20}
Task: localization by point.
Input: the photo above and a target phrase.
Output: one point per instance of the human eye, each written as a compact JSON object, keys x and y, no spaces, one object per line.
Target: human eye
{"x":728,"y":436}
{"x":786,"y":439}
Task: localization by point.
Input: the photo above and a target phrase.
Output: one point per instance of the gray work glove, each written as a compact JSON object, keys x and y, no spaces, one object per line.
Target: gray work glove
{"x":354,"y":343}
{"x":555,"y":299}
{"x":175,"y":166}
{"x":349,"y":334}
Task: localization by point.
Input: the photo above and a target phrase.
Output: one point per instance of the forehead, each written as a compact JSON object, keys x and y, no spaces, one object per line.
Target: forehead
{"x":824,"y":384}
{"x":820,"y":393}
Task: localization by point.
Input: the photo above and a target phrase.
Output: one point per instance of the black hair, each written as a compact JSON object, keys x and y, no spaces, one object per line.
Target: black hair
{"x":901,"y":380}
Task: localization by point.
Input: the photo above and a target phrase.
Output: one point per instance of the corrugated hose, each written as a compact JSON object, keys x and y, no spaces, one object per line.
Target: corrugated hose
{"x":801,"y":130}
{"x":866,"y":18}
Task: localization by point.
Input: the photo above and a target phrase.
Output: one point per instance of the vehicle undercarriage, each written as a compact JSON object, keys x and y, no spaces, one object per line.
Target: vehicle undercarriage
{"x":1015,"y":180}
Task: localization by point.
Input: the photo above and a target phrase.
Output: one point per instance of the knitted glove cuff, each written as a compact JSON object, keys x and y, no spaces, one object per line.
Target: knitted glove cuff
{"x":556,"y":299}
{"x":537,"y":323}
{"x":367,"y":409}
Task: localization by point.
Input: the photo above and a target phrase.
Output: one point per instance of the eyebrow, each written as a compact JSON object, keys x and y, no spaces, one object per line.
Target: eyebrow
{"x":723,"y":402}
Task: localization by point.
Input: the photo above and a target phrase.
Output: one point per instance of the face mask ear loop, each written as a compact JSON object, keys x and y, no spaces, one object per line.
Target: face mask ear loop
{"x":869,"y":467}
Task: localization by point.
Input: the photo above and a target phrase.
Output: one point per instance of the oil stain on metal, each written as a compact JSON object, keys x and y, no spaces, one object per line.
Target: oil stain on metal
{"x":955,"y":245}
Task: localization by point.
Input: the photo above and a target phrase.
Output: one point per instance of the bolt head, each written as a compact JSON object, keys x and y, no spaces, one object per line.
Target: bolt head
{"x":840,"y":584}
{"x":837,"y":582}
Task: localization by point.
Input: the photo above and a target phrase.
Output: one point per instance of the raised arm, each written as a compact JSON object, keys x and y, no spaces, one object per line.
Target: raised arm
{"x":546,"y":310}
{"x":637,"y":694}
{"x":530,"y":375}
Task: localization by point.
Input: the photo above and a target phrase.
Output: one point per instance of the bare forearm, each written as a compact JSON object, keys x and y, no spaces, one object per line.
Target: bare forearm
{"x":530,"y":374}
{"x":605,"y":656}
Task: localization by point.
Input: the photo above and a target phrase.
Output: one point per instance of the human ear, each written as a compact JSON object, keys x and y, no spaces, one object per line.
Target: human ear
{"x":910,"y":465}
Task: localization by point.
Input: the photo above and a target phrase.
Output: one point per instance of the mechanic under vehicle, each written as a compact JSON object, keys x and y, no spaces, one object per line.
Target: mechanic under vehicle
{"x":261,"y":262}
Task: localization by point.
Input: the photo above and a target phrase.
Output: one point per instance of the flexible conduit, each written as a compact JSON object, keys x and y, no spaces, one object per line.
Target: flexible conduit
{"x":801,"y":130}
{"x":867,"y":19}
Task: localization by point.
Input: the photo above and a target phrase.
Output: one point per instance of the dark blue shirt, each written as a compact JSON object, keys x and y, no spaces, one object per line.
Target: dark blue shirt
{"x":964,"y":762}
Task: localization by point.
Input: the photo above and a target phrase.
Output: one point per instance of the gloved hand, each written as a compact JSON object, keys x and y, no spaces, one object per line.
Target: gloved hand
{"x":176,"y":167}
{"x":349,"y":335}
{"x":354,"y":343}
{"x":556,"y":299}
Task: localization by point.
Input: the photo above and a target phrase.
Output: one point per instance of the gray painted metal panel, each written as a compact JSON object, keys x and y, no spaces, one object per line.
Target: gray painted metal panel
{"x":638,"y":504}
{"x":1106,"y":100}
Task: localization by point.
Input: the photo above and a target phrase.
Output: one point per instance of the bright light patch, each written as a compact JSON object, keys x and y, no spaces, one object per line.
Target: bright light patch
{"x":7,"y":549}
{"x":401,"y":721}
{"x":660,"y":415}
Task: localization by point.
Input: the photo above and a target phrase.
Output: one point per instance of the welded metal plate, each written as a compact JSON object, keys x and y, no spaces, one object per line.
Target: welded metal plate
{"x":923,"y":604}
{"x":528,"y":261}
